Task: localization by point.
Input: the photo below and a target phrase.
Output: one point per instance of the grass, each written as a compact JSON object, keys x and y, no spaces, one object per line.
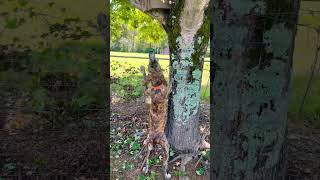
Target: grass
{"x":311,"y":109}
{"x":127,"y":70}
{"x":144,"y":55}
{"x":29,"y":32}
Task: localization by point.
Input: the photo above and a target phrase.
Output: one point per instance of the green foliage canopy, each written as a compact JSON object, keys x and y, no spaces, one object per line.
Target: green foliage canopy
{"x":126,"y":20}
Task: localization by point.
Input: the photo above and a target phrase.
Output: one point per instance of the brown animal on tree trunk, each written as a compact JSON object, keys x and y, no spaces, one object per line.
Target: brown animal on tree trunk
{"x":158,"y":104}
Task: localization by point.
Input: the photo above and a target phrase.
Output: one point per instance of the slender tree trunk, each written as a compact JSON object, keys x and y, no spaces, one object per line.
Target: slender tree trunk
{"x":188,"y":35}
{"x":252,"y":50}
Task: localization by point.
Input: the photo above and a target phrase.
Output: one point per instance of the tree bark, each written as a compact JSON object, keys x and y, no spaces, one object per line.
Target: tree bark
{"x":188,"y":29}
{"x":252,"y":49}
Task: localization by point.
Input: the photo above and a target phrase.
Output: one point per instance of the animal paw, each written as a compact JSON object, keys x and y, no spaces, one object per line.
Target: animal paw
{"x":167,"y":176}
{"x":145,"y":170}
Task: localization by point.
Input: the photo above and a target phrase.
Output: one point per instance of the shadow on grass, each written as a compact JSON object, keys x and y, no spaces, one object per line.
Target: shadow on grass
{"x":61,"y":82}
{"x":311,"y":109}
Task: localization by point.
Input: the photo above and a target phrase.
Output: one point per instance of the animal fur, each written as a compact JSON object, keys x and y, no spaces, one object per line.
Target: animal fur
{"x":158,"y":105}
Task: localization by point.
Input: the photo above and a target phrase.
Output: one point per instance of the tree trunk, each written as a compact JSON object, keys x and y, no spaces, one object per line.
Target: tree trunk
{"x":188,"y":34}
{"x":252,"y":48}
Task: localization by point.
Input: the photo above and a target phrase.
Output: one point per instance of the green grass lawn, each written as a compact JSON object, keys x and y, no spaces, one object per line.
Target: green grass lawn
{"x":128,"y":70}
{"x":144,"y":55}
{"x":311,"y":108}
{"x":29,"y":33}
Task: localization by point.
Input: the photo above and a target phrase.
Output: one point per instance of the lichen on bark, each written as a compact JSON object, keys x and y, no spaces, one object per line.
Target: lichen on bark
{"x":188,"y":35}
{"x":187,"y":94}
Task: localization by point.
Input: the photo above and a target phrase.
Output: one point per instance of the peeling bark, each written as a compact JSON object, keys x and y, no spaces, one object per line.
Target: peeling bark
{"x":252,"y":52}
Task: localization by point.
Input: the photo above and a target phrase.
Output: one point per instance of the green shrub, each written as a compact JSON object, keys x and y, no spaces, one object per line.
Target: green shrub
{"x":127,"y":88}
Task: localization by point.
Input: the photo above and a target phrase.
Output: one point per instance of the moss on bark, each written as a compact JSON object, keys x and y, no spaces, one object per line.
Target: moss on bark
{"x":186,"y":63}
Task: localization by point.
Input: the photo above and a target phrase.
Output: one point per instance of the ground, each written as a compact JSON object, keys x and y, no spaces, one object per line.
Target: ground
{"x":76,"y":149}
{"x":128,"y":130}
{"x":303,"y":152}
{"x":128,"y":127}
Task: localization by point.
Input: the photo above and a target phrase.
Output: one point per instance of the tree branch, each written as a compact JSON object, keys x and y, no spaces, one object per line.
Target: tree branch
{"x":161,"y":14}
{"x":136,"y":4}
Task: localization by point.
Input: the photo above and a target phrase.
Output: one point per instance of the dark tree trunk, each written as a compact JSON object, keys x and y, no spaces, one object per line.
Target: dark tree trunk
{"x":252,"y":48}
{"x":188,"y":35}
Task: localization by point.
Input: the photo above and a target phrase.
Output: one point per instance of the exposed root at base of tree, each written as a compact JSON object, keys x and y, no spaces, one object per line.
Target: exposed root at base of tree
{"x":185,"y":158}
{"x":204,"y":145}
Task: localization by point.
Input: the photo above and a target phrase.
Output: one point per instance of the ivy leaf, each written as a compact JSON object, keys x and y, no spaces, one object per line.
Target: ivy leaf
{"x":134,"y":146}
{"x":142,"y":177}
{"x":157,"y":161}
{"x":153,"y":174}
{"x":171,"y":153}
{"x":200,"y":171}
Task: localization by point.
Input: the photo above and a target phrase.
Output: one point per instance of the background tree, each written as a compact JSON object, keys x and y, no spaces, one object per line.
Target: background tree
{"x":252,"y":53}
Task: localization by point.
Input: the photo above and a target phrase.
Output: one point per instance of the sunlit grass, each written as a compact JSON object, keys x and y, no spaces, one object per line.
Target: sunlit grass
{"x":120,"y":68}
{"x":129,"y":55}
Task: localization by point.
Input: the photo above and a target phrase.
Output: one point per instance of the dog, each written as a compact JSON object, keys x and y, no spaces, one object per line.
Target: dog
{"x":156,"y":97}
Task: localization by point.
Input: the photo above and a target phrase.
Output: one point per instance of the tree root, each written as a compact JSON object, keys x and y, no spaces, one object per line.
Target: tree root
{"x":185,"y":158}
{"x":198,"y":161}
{"x":204,"y":145}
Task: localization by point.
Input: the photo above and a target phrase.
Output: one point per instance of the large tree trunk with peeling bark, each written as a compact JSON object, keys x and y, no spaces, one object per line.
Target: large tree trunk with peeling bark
{"x":188,"y":34}
{"x":252,"y":48}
